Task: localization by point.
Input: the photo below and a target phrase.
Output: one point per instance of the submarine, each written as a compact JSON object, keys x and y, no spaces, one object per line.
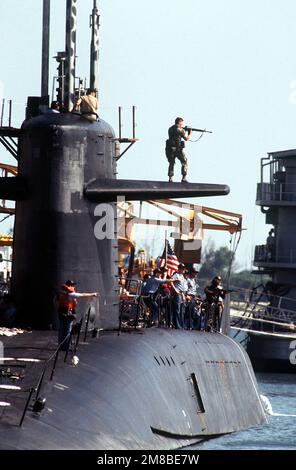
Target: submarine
{"x":148,"y":388}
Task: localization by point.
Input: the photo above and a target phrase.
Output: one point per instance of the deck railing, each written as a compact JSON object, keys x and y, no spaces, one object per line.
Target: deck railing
{"x":265,"y":254}
{"x":276,"y":192}
{"x":49,"y":365}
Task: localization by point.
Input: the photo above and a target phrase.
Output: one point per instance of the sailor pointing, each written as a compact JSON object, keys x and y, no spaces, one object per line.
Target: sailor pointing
{"x":67,"y":302}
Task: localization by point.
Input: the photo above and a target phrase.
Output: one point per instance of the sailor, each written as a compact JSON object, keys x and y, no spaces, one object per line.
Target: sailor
{"x":165,"y":297}
{"x":192,"y":282}
{"x":122,"y":281}
{"x":67,"y":301}
{"x":215,"y":294}
{"x":191,"y":313}
{"x":146,"y":278}
{"x":270,"y":245}
{"x":214,"y":290}
{"x":175,"y":148}
{"x":150,"y":290}
{"x":179,"y":297}
{"x":88,"y":105}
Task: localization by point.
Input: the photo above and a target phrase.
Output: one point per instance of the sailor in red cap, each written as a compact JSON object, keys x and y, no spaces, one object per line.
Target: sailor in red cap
{"x":67,"y":301}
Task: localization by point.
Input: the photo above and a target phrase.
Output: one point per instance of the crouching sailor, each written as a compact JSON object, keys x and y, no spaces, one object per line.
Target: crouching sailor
{"x":67,"y":301}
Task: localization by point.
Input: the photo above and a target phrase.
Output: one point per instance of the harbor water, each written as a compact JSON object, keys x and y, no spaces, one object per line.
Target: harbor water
{"x":280,"y":431}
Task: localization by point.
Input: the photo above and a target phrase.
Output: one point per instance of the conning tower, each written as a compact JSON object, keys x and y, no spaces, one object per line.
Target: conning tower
{"x":67,"y":165}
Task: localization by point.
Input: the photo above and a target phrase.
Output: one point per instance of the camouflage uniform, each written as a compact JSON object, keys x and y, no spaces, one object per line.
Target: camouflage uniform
{"x":175,"y":149}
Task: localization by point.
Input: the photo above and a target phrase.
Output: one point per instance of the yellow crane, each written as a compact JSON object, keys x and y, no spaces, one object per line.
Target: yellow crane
{"x":186,"y":220}
{"x":6,"y":240}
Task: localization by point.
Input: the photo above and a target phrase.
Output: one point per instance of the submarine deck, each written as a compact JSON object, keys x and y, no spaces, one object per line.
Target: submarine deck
{"x":23,"y":355}
{"x":153,"y":388}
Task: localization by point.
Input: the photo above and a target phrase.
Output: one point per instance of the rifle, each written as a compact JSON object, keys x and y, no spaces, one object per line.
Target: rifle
{"x":187,"y":128}
{"x":218,"y":292}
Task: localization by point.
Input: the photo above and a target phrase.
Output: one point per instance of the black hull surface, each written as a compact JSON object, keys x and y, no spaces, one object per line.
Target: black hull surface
{"x":153,"y":389}
{"x":272,"y":353}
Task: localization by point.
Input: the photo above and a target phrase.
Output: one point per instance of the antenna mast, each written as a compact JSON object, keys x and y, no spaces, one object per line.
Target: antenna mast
{"x":45,"y":48}
{"x":71,"y":27}
{"x":94,"y":48}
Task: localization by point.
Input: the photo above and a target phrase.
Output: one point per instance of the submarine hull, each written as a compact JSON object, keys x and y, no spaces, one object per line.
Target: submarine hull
{"x":156,"y":389}
{"x":272,"y":353}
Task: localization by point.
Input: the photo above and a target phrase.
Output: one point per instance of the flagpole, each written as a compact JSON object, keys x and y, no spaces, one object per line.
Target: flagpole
{"x":166,"y":249}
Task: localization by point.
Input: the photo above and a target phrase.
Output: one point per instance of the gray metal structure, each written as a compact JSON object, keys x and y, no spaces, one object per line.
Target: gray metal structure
{"x":276,"y":195}
{"x":151,"y":389}
{"x":45,"y":48}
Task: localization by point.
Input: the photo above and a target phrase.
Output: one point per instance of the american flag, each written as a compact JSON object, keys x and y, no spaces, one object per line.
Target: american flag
{"x":169,"y":260}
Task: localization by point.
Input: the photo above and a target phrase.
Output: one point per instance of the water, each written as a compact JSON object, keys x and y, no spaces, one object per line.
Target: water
{"x":279,"y":432}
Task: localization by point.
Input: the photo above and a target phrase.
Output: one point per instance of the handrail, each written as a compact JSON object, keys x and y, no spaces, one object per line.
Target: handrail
{"x":266,"y":254}
{"x":261,"y":307}
{"x":77,"y":330}
{"x":237,"y":318}
{"x":87,"y":323}
{"x":136,"y":301}
{"x":54,"y":357}
{"x":78,"y":335}
{"x":276,"y":192}
{"x":2,"y":114}
{"x":26,"y":406}
{"x":257,"y":291}
{"x":128,"y":281}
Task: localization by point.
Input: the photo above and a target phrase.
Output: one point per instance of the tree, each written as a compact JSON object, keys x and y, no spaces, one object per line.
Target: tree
{"x":216,"y":262}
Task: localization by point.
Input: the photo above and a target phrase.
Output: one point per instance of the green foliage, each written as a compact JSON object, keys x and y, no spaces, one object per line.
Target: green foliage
{"x":215,"y":262}
{"x":246,"y":280}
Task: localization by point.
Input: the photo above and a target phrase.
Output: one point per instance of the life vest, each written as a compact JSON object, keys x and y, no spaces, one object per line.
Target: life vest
{"x":66,"y":302}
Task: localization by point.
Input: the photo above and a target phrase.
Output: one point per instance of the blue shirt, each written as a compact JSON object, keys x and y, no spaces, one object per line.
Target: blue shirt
{"x":181,"y":283}
{"x":152,"y":285}
{"x":192,"y":286}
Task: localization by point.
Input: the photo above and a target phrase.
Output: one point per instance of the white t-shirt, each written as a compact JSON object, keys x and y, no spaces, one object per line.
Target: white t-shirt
{"x":74,"y":295}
